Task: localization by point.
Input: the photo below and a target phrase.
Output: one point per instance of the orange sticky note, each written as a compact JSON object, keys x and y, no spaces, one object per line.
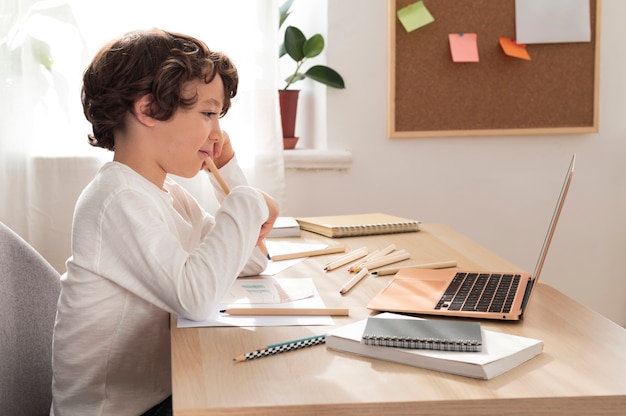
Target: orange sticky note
{"x":463,"y":47}
{"x":514,"y":49}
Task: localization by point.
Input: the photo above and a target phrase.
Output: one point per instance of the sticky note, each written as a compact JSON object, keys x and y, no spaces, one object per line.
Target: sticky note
{"x":514,"y":49}
{"x":463,"y":47}
{"x":414,"y":16}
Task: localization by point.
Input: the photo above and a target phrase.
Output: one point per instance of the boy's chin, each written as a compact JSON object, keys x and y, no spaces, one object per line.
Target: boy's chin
{"x":187,"y":174}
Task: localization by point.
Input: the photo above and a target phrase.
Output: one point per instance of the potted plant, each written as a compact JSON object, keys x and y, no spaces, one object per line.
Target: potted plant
{"x":300,"y":49}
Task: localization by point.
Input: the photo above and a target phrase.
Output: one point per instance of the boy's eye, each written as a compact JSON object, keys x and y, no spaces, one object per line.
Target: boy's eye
{"x":209,"y":113}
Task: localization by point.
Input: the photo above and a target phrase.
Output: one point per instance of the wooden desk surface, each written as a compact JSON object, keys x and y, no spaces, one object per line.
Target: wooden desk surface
{"x":582,"y":370}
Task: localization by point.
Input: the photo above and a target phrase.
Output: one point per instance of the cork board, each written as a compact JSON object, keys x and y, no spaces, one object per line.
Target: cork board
{"x":556,"y":92}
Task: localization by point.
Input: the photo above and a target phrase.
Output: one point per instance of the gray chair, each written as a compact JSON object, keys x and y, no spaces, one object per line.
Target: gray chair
{"x":29,"y":290}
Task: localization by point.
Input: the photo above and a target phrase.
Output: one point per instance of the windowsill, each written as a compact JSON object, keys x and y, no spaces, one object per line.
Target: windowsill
{"x":313,"y":159}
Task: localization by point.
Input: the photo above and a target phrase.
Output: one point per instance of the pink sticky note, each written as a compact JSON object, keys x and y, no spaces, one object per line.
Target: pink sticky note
{"x":463,"y":47}
{"x":514,"y":49}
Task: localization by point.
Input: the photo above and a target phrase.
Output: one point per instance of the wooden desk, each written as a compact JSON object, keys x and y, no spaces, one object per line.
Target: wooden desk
{"x":582,"y":370}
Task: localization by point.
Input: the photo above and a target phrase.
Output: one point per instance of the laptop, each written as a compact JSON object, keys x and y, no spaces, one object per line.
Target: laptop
{"x":464,"y":293}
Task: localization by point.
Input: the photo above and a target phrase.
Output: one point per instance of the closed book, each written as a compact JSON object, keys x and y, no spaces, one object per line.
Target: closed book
{"x":428,"y":334}
{"x":285,"y":227}
{"x":358,"y":225}
{"x":500,"y":353}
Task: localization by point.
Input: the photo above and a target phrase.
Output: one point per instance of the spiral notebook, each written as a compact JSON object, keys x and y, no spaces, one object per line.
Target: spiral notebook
{"x":500,"y":353}
{"x":357,"y":225}
{"x":423,"y":334}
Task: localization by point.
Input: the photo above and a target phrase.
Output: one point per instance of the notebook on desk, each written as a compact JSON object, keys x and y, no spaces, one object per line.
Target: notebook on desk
{"x":356,"y":225}
{"x":475,"y":294}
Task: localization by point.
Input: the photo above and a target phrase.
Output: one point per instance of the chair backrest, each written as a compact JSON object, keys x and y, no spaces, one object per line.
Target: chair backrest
{"x":29,"y":290}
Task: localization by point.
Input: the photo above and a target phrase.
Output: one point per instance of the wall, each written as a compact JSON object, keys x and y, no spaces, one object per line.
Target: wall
{"x":500,"y":191}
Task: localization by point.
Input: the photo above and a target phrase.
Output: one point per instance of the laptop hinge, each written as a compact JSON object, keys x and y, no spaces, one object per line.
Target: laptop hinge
{"x":527,"y":292}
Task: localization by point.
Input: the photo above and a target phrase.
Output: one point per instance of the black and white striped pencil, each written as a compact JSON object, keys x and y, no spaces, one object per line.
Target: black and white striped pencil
{"x":282,"y":347}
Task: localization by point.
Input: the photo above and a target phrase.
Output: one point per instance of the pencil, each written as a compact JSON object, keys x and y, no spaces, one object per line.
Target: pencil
{"x":388,"y":259}
{"x":374,"y":255}
{"x":311,"y":253}
{"x":282,"y":347}
{"x":436,"y":265}
{"x":354,"y":267}
{"x":218,"y":176}
{"x":346,"y":258}
{"x":288,"y":311}
{"x":352,"y":282}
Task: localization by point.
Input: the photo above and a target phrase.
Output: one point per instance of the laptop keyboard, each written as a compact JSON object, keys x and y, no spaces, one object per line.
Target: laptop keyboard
{"x":483,"y":292}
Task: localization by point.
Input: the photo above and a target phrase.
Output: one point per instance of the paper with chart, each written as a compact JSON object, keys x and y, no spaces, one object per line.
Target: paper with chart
{"x":266,"y":291}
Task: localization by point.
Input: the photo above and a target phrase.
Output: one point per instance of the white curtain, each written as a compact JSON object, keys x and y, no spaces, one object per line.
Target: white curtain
{"x":45,"y":160}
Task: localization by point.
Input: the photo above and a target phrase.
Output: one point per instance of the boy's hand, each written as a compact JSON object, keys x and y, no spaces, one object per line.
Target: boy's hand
{"x":267,"y":226}
{"x":222,"y":150}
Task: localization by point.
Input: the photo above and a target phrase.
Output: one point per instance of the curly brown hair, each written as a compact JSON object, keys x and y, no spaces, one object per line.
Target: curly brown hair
{"x":148,"y":62}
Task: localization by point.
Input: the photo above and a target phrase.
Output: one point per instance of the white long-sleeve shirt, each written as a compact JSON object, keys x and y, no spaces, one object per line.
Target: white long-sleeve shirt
{"x":140,"y":253}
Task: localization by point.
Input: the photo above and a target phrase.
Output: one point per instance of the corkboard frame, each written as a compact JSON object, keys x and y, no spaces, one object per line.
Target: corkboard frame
{"x":555,"y":93}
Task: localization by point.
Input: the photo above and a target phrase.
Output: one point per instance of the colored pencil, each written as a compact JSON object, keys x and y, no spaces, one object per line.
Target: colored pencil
{"x":388,"y":259}
{"x":372,"y":256}
{"x":435,"y":265}
{"x":352,"y":282}
{"x":311,"y":253}
{"x":346,"y":258}
{"x":288,"y":311}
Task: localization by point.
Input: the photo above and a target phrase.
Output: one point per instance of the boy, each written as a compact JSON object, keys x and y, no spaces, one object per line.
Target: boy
{"x":142,"y":247}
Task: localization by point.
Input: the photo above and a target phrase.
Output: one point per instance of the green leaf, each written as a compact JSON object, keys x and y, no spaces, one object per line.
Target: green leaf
{"x":298,"y":76}
{"x":284,"y":12}
{"x":313,"y":46}
{"x":294,"y":43}
{"x":326,"y":76}
{"x":42,"y":52}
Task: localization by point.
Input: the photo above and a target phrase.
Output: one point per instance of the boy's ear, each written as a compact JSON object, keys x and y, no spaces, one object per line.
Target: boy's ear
{"x":142,"y":108}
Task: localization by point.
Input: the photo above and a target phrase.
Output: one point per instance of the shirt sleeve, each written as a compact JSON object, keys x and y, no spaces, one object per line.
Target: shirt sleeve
{"x":139,"y":247}
{"x":234,"y":176}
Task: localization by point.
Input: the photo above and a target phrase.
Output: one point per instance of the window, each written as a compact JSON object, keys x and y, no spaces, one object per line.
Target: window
{"x":74,"y":30}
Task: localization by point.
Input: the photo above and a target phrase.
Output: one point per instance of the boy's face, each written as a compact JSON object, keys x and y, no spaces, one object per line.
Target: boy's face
{"x":187,"y":138}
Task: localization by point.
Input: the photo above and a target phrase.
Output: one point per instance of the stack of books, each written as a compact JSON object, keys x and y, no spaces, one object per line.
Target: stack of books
{"x":444,"y":345}
{"x":285,"y":227}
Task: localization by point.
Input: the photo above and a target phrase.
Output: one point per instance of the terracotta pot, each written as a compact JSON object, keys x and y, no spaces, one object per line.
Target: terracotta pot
{"x":290,"y":142}
{"x":288,"y":111}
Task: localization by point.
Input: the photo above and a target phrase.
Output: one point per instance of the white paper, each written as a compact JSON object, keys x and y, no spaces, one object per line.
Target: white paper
{"x":552,"y":21}
{"x":275,"y":267}
{"x":304,"y":285}
{"x":276,"y":247}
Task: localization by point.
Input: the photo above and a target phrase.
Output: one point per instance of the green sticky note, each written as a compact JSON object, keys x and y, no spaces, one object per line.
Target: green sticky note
{"x":414,"y":16}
